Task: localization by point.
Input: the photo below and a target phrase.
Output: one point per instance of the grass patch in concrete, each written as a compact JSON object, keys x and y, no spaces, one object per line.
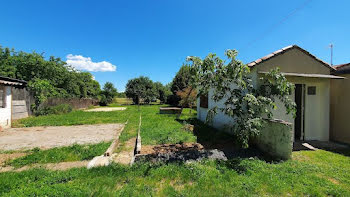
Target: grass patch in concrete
{"x":60,"y":154}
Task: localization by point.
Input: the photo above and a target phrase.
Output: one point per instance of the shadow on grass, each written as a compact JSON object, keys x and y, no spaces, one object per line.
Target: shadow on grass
{"x":212,"y":138}
{"x":334,"y":147}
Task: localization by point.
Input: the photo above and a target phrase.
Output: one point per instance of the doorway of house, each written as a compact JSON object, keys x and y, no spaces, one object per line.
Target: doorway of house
{"x":299,"y":119}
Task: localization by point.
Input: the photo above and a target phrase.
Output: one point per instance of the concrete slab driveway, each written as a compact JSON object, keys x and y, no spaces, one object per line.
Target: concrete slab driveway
{"x":49,"y":137}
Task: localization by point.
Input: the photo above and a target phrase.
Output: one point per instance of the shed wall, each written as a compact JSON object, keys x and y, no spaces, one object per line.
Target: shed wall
{"x":340,"y":109}
{"x":5,"y":113}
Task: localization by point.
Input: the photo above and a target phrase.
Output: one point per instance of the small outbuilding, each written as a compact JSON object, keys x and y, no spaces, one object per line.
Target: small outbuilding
{"x":14,"y":101}
{"x":340,"y":105}
{"x":312,"y":78}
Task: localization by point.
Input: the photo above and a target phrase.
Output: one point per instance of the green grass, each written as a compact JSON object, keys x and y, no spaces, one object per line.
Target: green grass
{"x":123,"y":101}
{"x":61,"y":154}
{"x":164,"y":128}
{"x":156,"y":128}
{"x":238,"y":177}
{"x":78,"y":117}
{"x":310,"y":173}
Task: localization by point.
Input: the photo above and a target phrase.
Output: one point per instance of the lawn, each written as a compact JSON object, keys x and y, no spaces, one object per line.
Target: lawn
{"x":123,"y":101}
{"x":61,"y":154}
{"x":314,"y":173}
{"x":156,"y":129}
{"x":309,"y":173}
{"x":77,"y":117}
{"x":164,"y":128}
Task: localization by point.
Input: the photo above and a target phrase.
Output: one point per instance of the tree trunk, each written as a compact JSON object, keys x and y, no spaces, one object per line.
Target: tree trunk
{"x":182,"y":106}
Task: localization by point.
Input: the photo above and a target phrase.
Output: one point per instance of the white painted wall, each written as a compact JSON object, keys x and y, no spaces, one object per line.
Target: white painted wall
{"x":317,"y":109}
{"x":5,"y":113}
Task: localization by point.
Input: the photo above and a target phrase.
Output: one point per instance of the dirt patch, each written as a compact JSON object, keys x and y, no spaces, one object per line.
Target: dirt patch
{"x":185,"y":152}
{"x":106,"y":109}
{"x":166,"y":148}
{"x":49,"y":166}
{"x":126,"y":155}
{"x":11,"y":156}
{"x":50,"y":137}
{"x":66,"y":165}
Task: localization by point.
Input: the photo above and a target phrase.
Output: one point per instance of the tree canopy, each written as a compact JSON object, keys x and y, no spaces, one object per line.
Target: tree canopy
{"x":143,"y":89}
{"x":108,"y":93}
{"x":52,"y":77}
{"x":179,"y":83}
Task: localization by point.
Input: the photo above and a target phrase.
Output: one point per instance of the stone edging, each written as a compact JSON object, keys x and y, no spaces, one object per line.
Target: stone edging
{"x":137,"y":149}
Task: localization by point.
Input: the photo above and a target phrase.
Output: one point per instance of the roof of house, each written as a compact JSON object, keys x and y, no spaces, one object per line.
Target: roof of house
{"x":342,"y":69}
{"x":285,"y":49}
{"x":308,"y":75}
{"x":12,"y":82}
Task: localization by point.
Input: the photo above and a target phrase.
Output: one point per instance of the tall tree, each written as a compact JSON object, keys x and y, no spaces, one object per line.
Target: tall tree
{"x":188,"y":97}
{"x":180,"y":82}
{"x":108,"y":93}
{"x":141,"y":89}
{"x":162,"y":92}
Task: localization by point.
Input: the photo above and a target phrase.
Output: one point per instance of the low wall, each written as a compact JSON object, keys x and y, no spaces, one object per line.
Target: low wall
{"x":21,"y":102}
{"x":5,"y":108}
{"x":76,"y":103}
{"x":276,"y":139}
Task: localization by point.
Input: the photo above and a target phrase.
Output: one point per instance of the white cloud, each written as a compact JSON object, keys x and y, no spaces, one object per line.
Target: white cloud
{"x":80,"y":62}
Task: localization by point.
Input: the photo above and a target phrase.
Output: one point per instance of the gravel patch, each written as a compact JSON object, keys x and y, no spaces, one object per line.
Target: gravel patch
{"x":50,"y":137}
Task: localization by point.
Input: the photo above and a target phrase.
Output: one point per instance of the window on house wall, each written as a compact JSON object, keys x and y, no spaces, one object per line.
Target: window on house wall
{"x":2,"y":96}
{"x":311,"y":90}
{"x":203,"y":101}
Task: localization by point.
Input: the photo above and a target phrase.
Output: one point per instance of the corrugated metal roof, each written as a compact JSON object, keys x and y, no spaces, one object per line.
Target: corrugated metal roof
{"x":283,"y":50}
{"x":12,"y":82}
{"x":342,"y":69}
{"x":309,"y":75}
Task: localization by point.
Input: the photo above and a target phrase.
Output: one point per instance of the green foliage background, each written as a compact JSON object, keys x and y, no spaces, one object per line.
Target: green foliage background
{"x":145,"y":90}
{"x":47,"y":78}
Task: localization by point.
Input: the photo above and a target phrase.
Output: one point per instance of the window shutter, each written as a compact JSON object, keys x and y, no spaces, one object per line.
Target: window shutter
{"x":2,"y":96}
{"x":203,"y":102}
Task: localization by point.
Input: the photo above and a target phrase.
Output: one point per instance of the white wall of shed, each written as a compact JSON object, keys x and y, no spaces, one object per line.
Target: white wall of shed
{"x":317,"y":109}
{"x":5,"y":113}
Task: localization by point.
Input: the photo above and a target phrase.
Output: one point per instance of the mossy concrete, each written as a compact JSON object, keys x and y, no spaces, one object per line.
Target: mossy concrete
{"x":276,"y":139}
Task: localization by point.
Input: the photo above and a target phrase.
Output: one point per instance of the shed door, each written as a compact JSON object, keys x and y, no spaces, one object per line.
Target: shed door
{"x":299,"y":119}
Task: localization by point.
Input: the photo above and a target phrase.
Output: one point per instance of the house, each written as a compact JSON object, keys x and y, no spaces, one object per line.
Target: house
{"x":340,"y":105}
{"x":312,"y":78}
{"x":14,"y":101}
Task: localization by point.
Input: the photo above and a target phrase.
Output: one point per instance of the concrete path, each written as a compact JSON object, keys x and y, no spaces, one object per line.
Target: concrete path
{"x":50,"y":137}
{"x":49,"y":166}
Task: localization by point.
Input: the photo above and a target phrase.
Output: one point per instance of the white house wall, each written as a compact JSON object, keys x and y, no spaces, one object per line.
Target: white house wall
{"x":317,"y":109}
{"x":220,"y":120}
{"x":5,"y":113}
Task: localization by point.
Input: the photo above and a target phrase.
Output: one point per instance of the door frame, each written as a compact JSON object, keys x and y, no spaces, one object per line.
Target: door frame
{"x":302,"y":115}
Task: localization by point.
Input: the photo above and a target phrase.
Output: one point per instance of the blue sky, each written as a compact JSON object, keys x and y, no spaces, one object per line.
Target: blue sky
{"x":153,"y":38}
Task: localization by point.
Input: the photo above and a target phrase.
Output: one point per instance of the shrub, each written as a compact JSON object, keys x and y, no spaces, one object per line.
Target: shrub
{"x":103,"y":101}
{"x":57,"y":109}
